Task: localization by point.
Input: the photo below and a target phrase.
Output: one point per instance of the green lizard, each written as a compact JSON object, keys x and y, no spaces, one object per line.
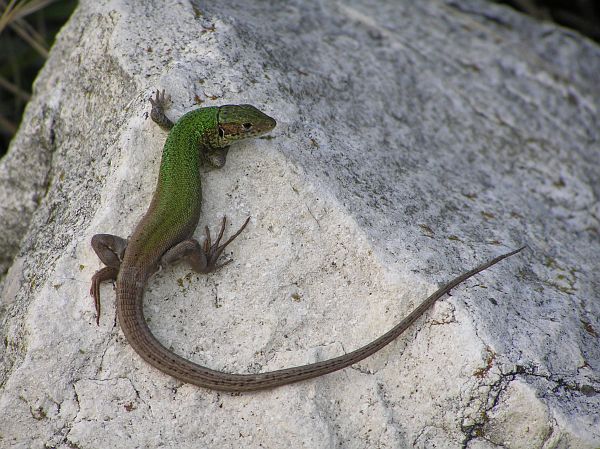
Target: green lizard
{"x":164,"y":235}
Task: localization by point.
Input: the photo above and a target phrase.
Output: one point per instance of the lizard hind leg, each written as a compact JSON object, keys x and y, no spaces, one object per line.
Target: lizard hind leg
{"x":110,"y":249}
{"x":202,"y":258}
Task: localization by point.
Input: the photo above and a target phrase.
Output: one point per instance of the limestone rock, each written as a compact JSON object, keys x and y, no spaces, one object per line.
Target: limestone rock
{"x":414,"y":141}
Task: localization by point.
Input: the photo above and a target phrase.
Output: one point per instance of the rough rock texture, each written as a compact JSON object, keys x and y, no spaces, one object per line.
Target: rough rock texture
{"x":415,"y":140}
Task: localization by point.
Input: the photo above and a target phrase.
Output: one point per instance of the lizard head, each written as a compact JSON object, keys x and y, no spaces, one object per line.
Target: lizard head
{"x":238,"y":122}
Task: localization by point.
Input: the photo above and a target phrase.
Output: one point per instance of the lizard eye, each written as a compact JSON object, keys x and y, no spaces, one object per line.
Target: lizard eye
{"x":247,"y":126}
{"x":221,"y":132}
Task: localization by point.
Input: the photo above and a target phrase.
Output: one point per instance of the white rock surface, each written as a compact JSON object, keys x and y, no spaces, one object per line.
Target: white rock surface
{"x":415,"y":140}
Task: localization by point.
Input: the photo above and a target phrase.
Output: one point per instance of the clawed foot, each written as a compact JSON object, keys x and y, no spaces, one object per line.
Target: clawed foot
{"x":157,"y":114}
{"x":202,"y":258}
{"x":160,"y":101}
{"x":213,"y":251}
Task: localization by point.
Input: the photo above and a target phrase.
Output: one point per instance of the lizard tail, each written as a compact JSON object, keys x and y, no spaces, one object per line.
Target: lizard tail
{"x":131,"y":318}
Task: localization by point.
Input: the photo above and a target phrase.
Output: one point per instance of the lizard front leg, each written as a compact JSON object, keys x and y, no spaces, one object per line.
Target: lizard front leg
{"x":202,"y":258}
{"x":157,"y":114}
{"x":110,"y":249}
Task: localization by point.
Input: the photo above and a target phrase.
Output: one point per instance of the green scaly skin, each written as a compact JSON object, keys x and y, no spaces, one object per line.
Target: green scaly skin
{"x":164,"y":236}
{"x":199,"y":137}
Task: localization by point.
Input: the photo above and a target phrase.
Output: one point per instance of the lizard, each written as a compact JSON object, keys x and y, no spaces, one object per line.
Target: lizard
{"x":164,"y":236}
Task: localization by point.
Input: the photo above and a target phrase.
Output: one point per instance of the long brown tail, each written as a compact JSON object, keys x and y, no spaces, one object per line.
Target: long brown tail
{"x":131,"y":318}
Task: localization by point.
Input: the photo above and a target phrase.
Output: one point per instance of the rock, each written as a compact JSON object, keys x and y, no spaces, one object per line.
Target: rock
{"x":414,"y":141}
